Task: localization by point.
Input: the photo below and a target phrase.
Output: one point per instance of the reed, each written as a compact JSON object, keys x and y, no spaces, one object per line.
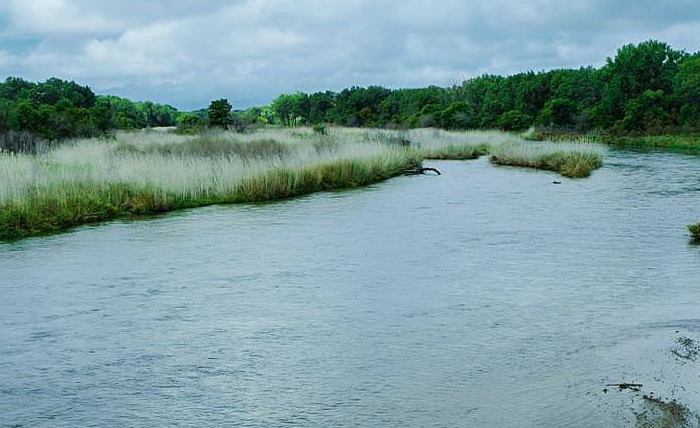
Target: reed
{"x":574,"y":160}
{"x":137,"y":173}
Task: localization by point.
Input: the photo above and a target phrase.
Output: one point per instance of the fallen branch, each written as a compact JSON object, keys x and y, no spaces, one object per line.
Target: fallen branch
{"x":420,"y":170}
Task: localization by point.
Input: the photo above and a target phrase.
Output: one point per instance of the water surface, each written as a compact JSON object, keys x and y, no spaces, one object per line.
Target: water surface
{"x":487,"y":296}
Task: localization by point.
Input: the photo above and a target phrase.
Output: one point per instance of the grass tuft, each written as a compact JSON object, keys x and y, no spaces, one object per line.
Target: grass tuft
{"x":574,"y":160}
{"x":694,"y":233}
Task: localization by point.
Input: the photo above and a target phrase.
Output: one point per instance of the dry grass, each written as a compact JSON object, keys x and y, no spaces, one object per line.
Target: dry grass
{"x":575,"y":160}
{"x":150,"y":172}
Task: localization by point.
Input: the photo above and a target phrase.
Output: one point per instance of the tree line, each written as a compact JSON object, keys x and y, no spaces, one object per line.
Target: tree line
{"x":58,"y":109}
{"x":646,"y":88}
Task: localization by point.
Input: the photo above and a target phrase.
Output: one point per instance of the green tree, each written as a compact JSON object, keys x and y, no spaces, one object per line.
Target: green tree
{"x":686,"y":90}
{"x":219,"y":113}
{"x":558,"y":112}
{"x":514,"y":120}
{"x":651,"y":65}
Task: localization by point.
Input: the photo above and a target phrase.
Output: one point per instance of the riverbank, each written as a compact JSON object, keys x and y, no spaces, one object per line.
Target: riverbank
{"x":689,"y":144}
{"x":93,"y":180}
{"x":684,"y":143}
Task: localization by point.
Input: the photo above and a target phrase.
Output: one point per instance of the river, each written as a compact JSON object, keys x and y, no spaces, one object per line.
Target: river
{"x":486,"y":297}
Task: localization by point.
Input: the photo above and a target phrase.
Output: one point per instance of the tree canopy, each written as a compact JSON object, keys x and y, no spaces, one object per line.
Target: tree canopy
{"x":219,"y":113}
{"x":57,"y":109}
{"x":648,"y":87}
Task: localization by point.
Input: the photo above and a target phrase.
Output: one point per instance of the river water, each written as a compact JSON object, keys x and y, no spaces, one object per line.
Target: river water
{"x":485,"y":297}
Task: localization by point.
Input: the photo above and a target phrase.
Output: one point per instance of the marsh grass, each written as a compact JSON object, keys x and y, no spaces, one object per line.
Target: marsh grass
{"x":574,"y":160}
{"x":211,"y":147}
{"x":139,"y":173}
{"x":93,"y":180}
{"x":683,"y":143}
{"x":694,"y":233}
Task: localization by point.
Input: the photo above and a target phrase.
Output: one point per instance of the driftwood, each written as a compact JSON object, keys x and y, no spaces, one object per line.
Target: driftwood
{"x":633,"y":386}
{"x":418,"y":169}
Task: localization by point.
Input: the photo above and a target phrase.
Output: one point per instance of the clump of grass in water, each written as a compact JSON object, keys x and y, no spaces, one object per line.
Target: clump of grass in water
{"x":694,"y":233}
{"x":574,"y":160}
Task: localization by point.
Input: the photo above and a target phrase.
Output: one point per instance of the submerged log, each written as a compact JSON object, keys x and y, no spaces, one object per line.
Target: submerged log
{"x":419,"y":169}
{"x":424,"y":170}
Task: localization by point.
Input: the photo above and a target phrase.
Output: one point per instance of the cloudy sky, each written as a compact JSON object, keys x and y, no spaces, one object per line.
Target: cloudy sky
{"x":187,"y":52}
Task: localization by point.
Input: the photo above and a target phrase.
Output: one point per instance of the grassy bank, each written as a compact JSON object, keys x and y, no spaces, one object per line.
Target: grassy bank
{"x":682,"y":143}
{"x":685,"y":143}
{"x":574,"y":160}
{"x":92,"y":180}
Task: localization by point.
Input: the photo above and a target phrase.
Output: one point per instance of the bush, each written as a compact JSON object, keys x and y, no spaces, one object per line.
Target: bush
{"x":190,"y":124}
{"x":514,"y":120}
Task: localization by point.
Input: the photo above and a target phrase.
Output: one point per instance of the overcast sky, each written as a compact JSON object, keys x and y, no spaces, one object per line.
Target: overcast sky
{"x":187,"y":52}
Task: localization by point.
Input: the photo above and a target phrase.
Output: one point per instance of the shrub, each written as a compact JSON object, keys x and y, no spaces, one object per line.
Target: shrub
{"x":514,"y":120}
{"x":190,"y":124}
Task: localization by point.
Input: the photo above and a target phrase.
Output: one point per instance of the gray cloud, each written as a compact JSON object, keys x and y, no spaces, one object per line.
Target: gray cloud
{"x":188,"y":52}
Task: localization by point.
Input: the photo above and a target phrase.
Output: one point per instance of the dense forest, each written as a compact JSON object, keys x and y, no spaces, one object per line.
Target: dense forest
{"x":649,"y":88}
{"x":645,"y":88}
{"x":57,"y":109}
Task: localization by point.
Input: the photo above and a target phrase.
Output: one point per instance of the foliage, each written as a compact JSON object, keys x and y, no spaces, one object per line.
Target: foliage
{"x":190,"y":123}
{"x":58,"y":109}
{"x":514,"y":120}
{"x":686,"y":90}
{"x":645,"y":88}
{"x":648,"y":88}
{"x":219,"y":113}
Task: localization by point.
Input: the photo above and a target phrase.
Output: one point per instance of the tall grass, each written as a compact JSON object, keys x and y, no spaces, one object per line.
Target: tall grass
{"x":575,"y":160}
{"x":91,"y":180}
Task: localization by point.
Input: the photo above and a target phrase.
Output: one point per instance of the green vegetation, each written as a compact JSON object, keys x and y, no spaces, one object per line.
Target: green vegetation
{"x":456,"y":152}
{"x":57,"y":109}
{"x":219,"y":113}
{"x":574,"y":160}
{"x":646,"y":89}
{"x":153,"y":172}
{"x":694,"y":233}
{"x":683,"y":143}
